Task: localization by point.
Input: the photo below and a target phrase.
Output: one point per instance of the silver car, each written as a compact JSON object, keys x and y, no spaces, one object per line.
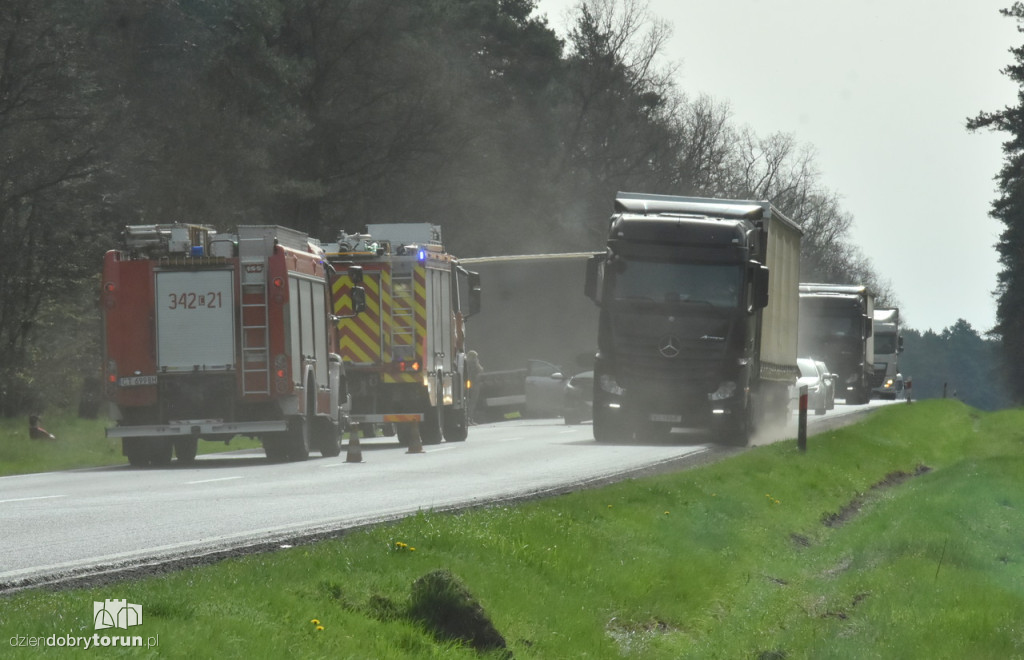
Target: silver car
{"x":830,"y":384}
{"x":817,"y":389}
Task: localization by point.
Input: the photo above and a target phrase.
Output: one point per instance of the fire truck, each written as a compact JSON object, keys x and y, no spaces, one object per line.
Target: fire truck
{"x":211,"y":335}
{"x":405,"y":355}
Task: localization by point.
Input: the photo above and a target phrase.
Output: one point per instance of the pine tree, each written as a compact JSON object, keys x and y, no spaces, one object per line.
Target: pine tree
{"x":1008,"y":208}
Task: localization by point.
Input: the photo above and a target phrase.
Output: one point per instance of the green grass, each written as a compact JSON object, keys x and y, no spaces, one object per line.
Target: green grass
{"x":731,"y":560}
{"x":80,"y":443}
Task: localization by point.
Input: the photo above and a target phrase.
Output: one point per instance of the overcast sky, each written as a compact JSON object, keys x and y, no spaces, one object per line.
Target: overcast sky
{"x":881,"y":89}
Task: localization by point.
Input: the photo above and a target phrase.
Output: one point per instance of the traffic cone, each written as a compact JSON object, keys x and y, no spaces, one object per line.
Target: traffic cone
{"x":415,"y":443}
{"x":355,"y":453}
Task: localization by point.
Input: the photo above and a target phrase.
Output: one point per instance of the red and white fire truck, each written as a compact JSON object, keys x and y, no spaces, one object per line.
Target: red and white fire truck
{"x":405,"y":354}
{"x":211,"y":335}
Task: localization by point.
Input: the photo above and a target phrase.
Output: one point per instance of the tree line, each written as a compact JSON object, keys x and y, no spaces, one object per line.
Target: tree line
{"x":327,"y":115}
{"x":956,"y":362}
{"x":1008,"y":208}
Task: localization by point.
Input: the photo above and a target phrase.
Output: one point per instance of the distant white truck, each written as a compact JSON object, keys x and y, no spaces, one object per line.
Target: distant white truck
{"x":888,"y":382}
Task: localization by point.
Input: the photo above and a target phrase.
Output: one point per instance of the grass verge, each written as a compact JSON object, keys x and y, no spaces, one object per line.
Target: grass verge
{"x":80,"y":443}
{"x":899,"y":537}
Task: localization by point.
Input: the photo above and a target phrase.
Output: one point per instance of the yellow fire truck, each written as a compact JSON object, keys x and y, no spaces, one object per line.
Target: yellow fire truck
{"x":405,"y":355}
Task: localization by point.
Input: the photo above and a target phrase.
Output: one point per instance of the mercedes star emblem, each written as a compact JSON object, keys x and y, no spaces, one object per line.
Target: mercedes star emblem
{"x":669,"y":347}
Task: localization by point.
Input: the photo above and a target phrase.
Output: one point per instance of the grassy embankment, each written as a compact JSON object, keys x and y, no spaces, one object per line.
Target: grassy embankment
{"x":896,"y":538}
{"x":80,"y":443}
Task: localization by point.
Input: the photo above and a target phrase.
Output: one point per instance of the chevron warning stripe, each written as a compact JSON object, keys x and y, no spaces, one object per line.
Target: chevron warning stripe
{"x":360,"y":336}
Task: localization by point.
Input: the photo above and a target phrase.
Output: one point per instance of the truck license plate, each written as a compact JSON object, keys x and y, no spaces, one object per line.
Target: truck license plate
{"x":134,"y":381}
{"x":666,"y":418}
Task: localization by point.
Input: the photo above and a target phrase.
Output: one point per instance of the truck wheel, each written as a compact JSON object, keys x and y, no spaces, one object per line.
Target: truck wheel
{"x":326,"y":437}
{"x":609,"y":426}
{"x":298,"y":438}
{"x":185,"y":449}
{"x":135,"y":452}
{"x":455,"y":422}
{"x":406,"y":433}
{"x":431,"y":431}
{"x":387,"y":430}
{"x":275,"y":447}
{"x":161,"y":451}
{"x":737,"y":432}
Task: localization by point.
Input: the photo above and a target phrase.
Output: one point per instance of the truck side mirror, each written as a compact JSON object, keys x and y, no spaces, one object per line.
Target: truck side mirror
{"x":759,"y":277}
{"x":595,"y":277}
{"x":899,"y":344}
{"x":355,"y":273}
{"x":358,"y":295}
{"x":869,"y":326}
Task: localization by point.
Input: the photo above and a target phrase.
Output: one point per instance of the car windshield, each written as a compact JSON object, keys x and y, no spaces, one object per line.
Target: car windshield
{"x":718,"y":285}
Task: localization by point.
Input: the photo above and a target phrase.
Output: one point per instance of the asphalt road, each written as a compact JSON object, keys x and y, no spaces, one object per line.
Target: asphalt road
{"x":62,"y":525}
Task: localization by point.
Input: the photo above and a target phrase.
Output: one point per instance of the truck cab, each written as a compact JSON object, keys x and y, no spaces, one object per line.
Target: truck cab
{"x":836,"y":326}
{"x":687,"y":336}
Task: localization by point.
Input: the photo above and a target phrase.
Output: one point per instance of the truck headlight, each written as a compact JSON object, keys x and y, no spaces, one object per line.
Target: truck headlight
{"x":725,"y":391}
{"x":609,"y":385}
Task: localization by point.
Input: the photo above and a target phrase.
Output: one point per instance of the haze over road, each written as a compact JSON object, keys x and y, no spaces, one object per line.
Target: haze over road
{"x":66,"y":523}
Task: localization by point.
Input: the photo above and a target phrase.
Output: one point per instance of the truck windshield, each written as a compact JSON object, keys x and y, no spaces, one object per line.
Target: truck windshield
{"x":885,"y":343}
{"x":667,"y":282}
{"x":828,"y":325}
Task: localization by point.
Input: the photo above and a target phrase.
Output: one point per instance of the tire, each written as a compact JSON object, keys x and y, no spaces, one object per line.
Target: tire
{"x":609,"y":426}
{"x":298,"y":439}
{"x":326,"y":437}
{"x":135,"y":452}
{"x":276,"y":448}
{"x":406,"y":433}
{"x":455,"y":422}
{"x":431,"y":430}
{"x":738,"y":432}
{"x":161,"y":451}
{"x":185,"y":449}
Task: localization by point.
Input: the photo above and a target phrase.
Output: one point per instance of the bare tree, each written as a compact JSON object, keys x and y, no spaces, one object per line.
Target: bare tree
{"x":46,"y":135}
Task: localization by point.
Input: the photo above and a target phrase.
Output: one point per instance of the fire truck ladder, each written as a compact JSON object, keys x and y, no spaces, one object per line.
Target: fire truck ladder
{"x":403,"y":324}
{"x":255,"y":320}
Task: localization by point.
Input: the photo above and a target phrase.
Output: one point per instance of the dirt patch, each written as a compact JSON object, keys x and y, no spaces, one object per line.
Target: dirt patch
{"x":633,"y":637}
{"x":799,"y":540}
{"x":854,"y":506}
{"x":844,"y":614}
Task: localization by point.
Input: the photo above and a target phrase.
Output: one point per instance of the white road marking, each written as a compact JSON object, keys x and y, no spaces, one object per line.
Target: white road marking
{"x":29,"y":499}
{"x":208,"y":481}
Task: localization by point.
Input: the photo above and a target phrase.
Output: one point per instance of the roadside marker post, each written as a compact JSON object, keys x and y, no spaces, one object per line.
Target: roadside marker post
{"x":910,"y":386}
{"x":801,"y":433}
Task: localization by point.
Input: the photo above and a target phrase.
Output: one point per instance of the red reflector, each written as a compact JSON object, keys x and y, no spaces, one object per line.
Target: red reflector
{"x":280,"y":373}
{"x":109,"y":287}
{"x":112,"y":378}
{"x":278,"y":282}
